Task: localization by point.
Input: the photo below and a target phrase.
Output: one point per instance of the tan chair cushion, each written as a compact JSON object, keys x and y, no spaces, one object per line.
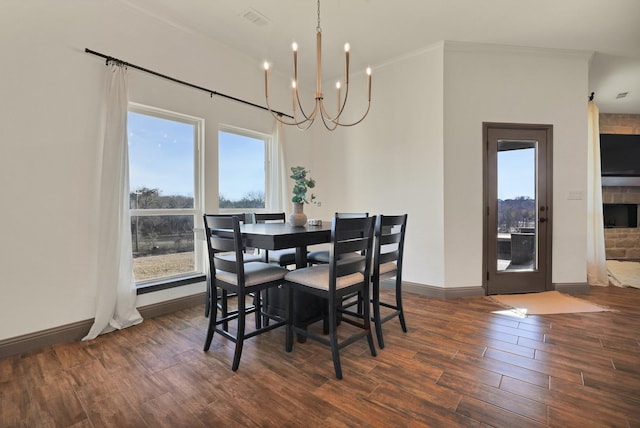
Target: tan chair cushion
{"x":318,"y":277}
{"x":254,"y":273}
{"x":323,"y":256}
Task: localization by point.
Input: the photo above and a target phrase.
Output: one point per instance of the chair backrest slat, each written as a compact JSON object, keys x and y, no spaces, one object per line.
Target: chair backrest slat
{"x":222,"y":244}
{"x":389,"y":241}
{"x":348,"y":236}
{"x":223,"y":236}
{"x":352,"y":215}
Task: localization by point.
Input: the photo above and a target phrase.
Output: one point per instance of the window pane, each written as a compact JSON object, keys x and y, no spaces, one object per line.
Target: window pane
{"x":145,"y":198}
{"x":517,"y":239}
{"x":241,"y":171}
{"x":162,"y":246}
{"x":164,"y":182}
{"x":161,"y":158}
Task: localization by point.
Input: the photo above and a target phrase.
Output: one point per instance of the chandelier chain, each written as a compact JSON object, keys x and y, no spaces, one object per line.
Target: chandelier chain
{"x":318,"y":29}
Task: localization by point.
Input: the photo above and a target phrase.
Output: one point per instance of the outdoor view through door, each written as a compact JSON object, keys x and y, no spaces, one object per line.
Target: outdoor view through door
{"x":517,"y":187}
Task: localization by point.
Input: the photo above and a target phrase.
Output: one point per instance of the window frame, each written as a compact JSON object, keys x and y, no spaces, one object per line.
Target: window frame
{"x":198,"y":274}
{"x":268,"y":142}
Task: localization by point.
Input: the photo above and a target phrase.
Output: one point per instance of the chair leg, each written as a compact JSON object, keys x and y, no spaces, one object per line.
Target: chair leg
{"x":399,"y":305}
{"x":325,"y":320}
{"x":289,"y":331}
{"x":366,"y":318}
{"x":376,"y":313}
{"x":333,"y":339}
{"x":212,"y":327}
{"x":240,"y":333}
{"x":257,"y":303}
{"x":265,"y":307}
{"x":207,"y":303}
{"x":224,"y":306}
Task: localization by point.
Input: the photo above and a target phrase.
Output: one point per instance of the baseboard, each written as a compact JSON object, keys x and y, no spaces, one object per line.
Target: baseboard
{"x":572,"y":288}
{"x":42,"y":339}
{"x":76,"y":331}
{"x":436,"y":292}
{"x":174,"y":305}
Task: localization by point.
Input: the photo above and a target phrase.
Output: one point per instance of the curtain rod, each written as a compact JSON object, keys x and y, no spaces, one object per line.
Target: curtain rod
{"x":182,"y":82}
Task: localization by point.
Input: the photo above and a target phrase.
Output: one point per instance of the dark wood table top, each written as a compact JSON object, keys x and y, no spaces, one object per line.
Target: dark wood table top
{"x":278,"y":236}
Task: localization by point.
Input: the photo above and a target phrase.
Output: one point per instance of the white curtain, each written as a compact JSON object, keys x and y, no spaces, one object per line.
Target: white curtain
{"x":277,"y":187}
{"x":596,"y":258}
{"x":116,"y":299}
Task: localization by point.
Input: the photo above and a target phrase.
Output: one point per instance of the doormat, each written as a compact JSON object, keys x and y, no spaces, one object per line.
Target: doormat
{"x":548,"y":302}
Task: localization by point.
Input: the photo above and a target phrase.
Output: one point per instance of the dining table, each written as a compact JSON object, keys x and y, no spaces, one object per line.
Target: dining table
{"x":279,"y":236}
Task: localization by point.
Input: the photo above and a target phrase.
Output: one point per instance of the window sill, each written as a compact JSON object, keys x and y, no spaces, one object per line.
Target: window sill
{"x":150,"y":287}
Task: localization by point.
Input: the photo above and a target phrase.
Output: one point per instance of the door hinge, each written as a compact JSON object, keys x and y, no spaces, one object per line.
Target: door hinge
{"x":487,"y":210}
{"x":487,"y":275}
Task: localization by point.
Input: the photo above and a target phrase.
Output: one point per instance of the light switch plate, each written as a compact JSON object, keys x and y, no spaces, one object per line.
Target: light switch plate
{"x":574,"y":195}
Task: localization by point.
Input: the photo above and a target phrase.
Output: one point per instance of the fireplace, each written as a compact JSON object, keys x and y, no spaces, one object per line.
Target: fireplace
{"x":620,"y":215}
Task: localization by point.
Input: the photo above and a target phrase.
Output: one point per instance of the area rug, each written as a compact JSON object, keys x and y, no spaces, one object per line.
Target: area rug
{"x":624,"y":274}
{"x":548,"y":302}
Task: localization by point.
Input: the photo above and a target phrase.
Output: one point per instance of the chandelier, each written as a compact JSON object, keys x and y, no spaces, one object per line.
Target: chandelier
{"x":300,"y":118}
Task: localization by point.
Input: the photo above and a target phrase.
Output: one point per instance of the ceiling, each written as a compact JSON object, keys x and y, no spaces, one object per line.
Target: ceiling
{"x":382,"y":30}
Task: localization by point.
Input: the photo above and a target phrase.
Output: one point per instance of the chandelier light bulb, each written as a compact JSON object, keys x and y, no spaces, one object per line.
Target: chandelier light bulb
{"x":347,"y":47}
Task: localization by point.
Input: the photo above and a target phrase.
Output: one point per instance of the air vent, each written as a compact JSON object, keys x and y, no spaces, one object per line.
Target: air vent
{"x":255,"y":17}
{"x":622,"y":94}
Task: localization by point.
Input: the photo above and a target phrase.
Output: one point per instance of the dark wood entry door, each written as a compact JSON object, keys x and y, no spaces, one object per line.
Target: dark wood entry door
{"x":518,"y":216}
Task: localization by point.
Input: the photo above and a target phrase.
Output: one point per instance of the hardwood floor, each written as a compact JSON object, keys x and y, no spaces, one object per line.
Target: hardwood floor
{"x":459,"y":365}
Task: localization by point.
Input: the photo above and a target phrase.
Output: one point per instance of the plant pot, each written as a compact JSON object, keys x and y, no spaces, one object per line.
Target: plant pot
{"x":298,"y":217}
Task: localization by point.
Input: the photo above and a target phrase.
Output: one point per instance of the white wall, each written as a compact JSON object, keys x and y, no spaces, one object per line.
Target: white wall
{"x":420,"y":151}
{"x":392,"y":163}
{"x":513,"y":85}
{"x":51,"y":117}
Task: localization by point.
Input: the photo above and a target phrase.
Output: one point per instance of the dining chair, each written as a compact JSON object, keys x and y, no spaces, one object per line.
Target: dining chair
{"x":334,"y":280}
{"x":388,"y":252}
{"x":248,"y":258}
{"x":285,"y":257}
{"x":322,"y":256}
{"x":233,"y":276}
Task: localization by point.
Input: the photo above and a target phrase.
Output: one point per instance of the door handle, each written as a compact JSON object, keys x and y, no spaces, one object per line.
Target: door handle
{"x":542,"y":219}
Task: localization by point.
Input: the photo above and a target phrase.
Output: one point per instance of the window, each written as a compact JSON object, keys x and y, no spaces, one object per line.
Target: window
{"x":165,"y":183}
{"x":242,"y":172}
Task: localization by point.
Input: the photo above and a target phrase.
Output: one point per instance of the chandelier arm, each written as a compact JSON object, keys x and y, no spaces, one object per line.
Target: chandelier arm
{"x":308,"y":120}
{"x":326,"y":122}
{"x":359,"y":120}
{"x":307,"y":126}
{"x":336,"y":118}
{"x":307,"y":117}
{"x":281,"y":120}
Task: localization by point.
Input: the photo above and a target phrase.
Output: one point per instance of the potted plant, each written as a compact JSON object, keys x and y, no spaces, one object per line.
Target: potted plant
{"x":302,"y":182}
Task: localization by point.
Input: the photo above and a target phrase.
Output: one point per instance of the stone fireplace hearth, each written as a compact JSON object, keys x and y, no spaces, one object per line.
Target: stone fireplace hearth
{"x":622,"y":243}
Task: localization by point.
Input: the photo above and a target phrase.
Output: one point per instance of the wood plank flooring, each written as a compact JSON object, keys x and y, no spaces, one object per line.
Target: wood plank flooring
{"x":459,"y":365}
